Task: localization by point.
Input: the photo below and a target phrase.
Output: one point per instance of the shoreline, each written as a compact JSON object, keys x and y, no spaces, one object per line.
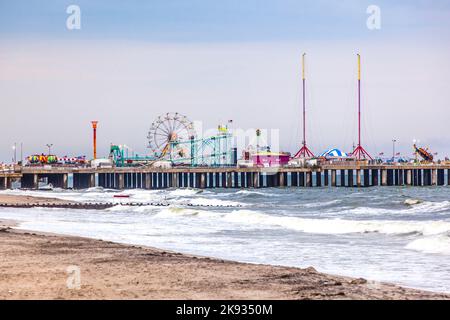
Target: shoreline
{"x":22,"y":200}
{"x":35,"y":266}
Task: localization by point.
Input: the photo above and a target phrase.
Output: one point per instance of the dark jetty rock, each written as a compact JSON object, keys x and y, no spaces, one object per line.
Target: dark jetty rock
{"x":62,"y":205}
{"x":100,"y":206}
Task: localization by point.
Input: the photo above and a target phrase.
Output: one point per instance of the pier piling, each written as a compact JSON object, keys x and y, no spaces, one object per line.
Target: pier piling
{"x":318,"y":178}
{"x":401,"y":176}
{"x":342,"y":176}
{"x":3,"y":183}
{"x":375,"y":177}
{"x":408,"y":177}
{"x":235,"y":179}
{"x":440,"y":177}
{"x":147,"y":178}
{"x":384,"y":177}
{"x":366,"y":180}
{"x":434,"y":177}
{"x":301,"y":179}
{"x":358,"y":178}
{"x":326,"y":181}
{"x":350,"y":178}
{"x":309,"y":179}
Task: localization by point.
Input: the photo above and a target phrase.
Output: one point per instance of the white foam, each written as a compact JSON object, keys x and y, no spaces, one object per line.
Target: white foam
{"x":412,"y":202}
{"x":339,"y":226}
{"x":183,"y":192}
{"x":251,"y":192}
{"x":428,"y":207}
{"x":177,"y":211}
{"x":420,"y":208}
{"x":321,"y":204}
{"x":439,"y":244}
{"x":93,"y":189}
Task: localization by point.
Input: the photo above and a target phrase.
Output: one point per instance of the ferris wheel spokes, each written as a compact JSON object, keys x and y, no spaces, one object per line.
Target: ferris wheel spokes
{"x":165,"y":133}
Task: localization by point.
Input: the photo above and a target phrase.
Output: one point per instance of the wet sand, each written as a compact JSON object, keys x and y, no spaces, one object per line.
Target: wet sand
{"x":23,"y":200}
{"x":35,"y":266}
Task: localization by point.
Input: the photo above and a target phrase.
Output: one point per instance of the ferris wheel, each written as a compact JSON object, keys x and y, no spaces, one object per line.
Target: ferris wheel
{"x":165,"y":133}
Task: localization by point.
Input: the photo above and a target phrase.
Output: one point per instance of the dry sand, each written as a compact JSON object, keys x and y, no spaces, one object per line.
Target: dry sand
{"x":34,"y":266}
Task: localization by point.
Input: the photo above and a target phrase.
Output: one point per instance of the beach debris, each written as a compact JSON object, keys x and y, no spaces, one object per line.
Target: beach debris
{"x":310,"y":270}
{"x":411,"y":202}
{"x":359,"y":281}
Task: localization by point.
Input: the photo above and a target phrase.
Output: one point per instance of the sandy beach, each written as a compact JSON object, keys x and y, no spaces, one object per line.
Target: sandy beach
{"x":35,"y":266}
{"x":23,"y":200}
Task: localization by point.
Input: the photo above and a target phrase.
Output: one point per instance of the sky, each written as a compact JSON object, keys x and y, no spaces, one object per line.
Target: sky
{"x":214,"y":61}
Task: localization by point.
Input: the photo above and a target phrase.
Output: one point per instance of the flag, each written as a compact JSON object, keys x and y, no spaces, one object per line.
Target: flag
{"x":397,"y":154}
{"x":381,"y":154}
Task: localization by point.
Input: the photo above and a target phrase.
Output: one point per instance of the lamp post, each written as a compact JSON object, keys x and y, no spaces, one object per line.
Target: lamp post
{"x":14,"y":147}
{"x":94,"y":137}
{"x":393,"y":149}
{"x":49,"y":146}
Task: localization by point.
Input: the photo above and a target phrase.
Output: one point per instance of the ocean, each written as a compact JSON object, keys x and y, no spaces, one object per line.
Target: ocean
{"x":392,"y":234}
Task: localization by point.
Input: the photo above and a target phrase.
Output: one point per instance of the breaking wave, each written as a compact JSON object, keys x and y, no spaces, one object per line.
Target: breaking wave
{"x":418,"y":208}
{"x":184,"y":192}
{"x":439,"y":244}
{"x":339,"y":226}
{"x":177,"y":211}
{"x":251,"y":193}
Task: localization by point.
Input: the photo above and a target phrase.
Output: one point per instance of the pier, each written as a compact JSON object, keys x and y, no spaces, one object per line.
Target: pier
{"x":230,"y":177}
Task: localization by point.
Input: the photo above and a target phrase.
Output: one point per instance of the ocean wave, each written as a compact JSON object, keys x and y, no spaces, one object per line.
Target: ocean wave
{"x":183,"y":192}
{"x":429,"y":206}
{"x":178,"y":211}
{"x":93,"y":189}
{"x":439,"y":244}
{"x":411,"y":201}
{"x":254,"y":193}
{"x":418,"y":208}
{"x":339,"y":226}
{"x":321,"y":203}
